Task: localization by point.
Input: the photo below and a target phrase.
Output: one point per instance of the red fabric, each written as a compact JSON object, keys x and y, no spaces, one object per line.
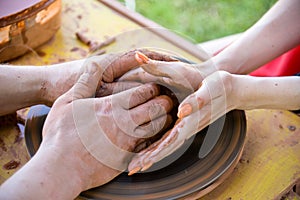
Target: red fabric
{"x":287,"y":64}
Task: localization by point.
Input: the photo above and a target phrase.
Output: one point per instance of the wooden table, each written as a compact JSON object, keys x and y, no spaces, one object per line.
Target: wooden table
{"x":270,"y":164}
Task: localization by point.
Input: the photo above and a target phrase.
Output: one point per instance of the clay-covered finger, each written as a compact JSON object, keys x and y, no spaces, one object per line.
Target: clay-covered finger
{"x":155,"y":55}
{"x":153,"y":127}
{"x":151,"y":110}
{"x":181,"y":75}
{"x":87,"y":83}
{"x":154,"y":67}
{"x":139,"y":75}
{"x":169,"y":143}
{"x":119,"y":64}
{"x":211,"y":90}
{"x":147,"y":141}
{"x":115,"y":87}
{"x":194,"y":102}
{"x":155,"y":152}
{"x":135,"y":96}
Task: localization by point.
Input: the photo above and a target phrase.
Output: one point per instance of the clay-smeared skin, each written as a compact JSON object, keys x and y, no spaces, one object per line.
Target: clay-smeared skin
{"x":60,"y":134}
{"x":172,"y":72}
{"x":115,"y":87}
{"x":60,"y":78}
{"x":62,"y":156}
{"x":116,"y":69}
{"x":186,"y":79}
{"x":144,"y":160}
{"x":219,"y":93}
{"x":109,"y":113}
{"x":180,"y":77}
{"x":185,"y":111}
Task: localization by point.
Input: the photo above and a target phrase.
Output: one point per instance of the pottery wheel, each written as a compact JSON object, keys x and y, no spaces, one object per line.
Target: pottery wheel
{"x":184,"y":176}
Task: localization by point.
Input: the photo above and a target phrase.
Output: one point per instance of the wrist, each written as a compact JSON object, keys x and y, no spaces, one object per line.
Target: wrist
{"x":62,"y":180}
{"x":58,"y":79}
{"x":234,"y":60}
{"x":45,"y":176}
{"x":207,"y":68}
{"x":224,"y":63}
{"x":267,"y":92}
{"x":245,"y":96}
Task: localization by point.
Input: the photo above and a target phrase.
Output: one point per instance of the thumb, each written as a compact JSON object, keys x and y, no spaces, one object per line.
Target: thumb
{"x":154,"y":67}
{"x":87,"y":83}
{"x":192,"y":103}
{"x":212,"y":91}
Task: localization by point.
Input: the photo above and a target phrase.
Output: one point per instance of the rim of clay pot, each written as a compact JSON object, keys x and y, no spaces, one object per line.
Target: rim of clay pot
{"x":25,"y":13}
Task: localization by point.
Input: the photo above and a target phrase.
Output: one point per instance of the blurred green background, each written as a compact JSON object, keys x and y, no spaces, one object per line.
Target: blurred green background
{"x":202,"y":20}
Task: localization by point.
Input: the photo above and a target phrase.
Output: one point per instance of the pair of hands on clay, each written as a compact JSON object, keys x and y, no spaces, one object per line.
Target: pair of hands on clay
{"x":274,"y":34}
{"x":207,"y":94}
{"x":88,"y":141}
{"x":202,"y":96}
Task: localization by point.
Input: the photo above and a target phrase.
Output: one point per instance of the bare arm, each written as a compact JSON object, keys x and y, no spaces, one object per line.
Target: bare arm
{"x":220,"y":93}
{"x":22,"y":86}
{"x":267,"y":93}
{"x":65,"y":164}
{"x":275,"y":33}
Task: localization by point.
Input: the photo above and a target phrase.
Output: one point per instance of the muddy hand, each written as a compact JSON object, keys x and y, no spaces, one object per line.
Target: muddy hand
{"x":119,"y":64}
{"x":96,"y":137}
{"x":196,"y":112}
{"x":125,"y":120}
{"x":115,"y":87}
{"x":177,"y":76}
{"x":59,"y":78}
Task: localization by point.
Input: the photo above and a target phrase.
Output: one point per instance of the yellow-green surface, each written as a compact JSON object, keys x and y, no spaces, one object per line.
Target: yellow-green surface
{"x":270,"y":163}
{"x":97,"y":22}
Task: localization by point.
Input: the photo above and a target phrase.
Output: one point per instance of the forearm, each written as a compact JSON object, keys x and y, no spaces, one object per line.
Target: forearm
{"x":275,"y":33}
{"x":23,"y":86}
{"x":267,"y":93}
{"x":60,"y":78}
{"x":20,"y":87}
{"x":45,"y":176}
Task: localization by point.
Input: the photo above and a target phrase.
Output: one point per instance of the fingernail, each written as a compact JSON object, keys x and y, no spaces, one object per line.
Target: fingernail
{"x":135,"y":170}
{"x":147,"y":166}
{"x":184,"y":110}
{"x":141,"y":58}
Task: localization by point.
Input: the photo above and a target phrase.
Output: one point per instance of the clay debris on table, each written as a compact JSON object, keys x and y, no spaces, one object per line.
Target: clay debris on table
{"x":94,"y":45}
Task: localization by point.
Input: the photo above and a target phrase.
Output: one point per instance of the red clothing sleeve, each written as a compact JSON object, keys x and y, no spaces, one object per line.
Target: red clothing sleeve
{"x":287,"y":64}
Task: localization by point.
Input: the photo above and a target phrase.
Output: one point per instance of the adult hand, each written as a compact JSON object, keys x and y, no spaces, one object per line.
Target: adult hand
{"x":24,"y":86}
{"x":60,"y":78}
{"x":180,"y":77}
{"x":212,"y":100}
{"x":89,"y":141}
{"x":113,"y":125}
{"x":220,"y":93}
